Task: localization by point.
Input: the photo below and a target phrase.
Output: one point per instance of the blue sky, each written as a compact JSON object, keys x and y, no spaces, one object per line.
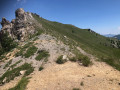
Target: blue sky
{"x":102,"y":16}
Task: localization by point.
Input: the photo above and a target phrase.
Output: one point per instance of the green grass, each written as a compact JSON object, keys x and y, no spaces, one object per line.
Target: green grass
{"x":21,"y":84}
{"x":76,"y":89}
{"x":7,"y":64}
{"x":41,"y":55}
{"x":91,"y":42}
{"x":23,"y":49}
{"x":12,"y":66}
{"x":10,"y":75}
{"x":60,"y":60}
{"x":30,"y":51}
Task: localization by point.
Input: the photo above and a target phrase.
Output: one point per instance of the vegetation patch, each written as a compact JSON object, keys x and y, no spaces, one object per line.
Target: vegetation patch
{"x":60,"y":60}
{"x":7,"y":65}
{"x":23,"y":49}
{"x":2,"y":57}
{"x":31,"y":50}
{"x":41,"y":68}
{"x":42,"y":54}
{"x":82,"y":59}
{"x":10,"y":75}
{"x":112,"y":62}
{"x":12,"y":66}
{"x":7,"y":43}
{"x":21,"y":84}
{"x":85,"y":61}
{"x":76,"y":89}
{"x":73,"y":59}
{"x":82,"y":84}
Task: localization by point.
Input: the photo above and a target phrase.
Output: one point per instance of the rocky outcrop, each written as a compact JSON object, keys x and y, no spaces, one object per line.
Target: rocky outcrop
{"x":19,"y":28}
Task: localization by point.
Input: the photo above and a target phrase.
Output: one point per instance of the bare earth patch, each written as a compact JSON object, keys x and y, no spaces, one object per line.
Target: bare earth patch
{"x":70,"y":75}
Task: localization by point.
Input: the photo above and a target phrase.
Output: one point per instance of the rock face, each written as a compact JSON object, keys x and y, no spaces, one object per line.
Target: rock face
{"x":19,"y":28}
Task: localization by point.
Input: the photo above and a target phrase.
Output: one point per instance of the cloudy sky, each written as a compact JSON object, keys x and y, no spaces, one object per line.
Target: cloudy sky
{"x":102,"y":16}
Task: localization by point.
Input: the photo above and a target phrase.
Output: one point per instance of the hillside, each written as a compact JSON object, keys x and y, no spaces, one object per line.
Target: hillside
{"x":98,"y":45}
{"x":38,"y":54}
{"x":117,"y":36}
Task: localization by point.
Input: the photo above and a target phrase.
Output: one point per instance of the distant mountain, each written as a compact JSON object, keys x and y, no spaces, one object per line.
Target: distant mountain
{"x":109,"y":35}
{"x":117,"y":36}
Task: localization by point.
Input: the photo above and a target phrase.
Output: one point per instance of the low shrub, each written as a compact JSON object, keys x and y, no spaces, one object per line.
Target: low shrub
{"x":41,"y":68}
{"x":42,"y":54}
{"x":86,"y":61}
{"x":60,"y":60}
{"x":82,"y":84}
{"x":73,"y":59}
{"x":82,"y":59}
{"x":31,"y":50}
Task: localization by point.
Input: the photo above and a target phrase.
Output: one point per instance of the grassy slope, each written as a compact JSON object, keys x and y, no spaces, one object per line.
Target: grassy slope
{"x":90,"y":42}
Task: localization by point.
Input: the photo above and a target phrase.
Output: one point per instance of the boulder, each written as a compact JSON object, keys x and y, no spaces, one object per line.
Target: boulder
{"x":4,"y":80}
{"x":64,"y":57}
{"x":22,"y":72}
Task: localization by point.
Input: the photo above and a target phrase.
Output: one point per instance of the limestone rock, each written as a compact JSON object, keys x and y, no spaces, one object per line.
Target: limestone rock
{"x":19,"y":28}
{"x":4,"y":80}
{"x":22,"y":72}
{"x":4,"y":22}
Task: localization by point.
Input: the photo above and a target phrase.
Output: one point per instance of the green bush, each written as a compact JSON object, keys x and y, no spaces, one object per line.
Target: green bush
{"x":21,"y":84}
{"x":10,"y":75}
{"x":42,"y":54}
{"x":73,"y":59}
{"x":86,"y":61}
{"x":31,"y":50}
{"x":60,"y":60}
{"x":41,"y":68}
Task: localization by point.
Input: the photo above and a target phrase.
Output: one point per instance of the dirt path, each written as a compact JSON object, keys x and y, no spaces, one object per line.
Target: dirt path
{"x":70,"y":75}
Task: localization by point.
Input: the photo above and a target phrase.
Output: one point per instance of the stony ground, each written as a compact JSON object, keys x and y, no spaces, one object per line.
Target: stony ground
{"x":98,"y":76}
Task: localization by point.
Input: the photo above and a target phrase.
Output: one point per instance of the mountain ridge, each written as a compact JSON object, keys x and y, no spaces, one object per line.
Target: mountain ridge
{"x":44,"y":46}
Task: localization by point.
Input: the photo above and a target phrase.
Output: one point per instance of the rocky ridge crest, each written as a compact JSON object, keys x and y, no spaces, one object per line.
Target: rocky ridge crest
{"x":19,"y":28}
